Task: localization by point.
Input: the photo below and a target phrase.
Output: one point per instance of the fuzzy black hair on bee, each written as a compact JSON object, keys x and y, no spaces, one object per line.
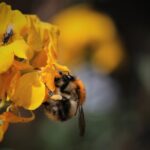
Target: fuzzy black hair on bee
{"x":63,"y":81}
{"x":59,"y":109}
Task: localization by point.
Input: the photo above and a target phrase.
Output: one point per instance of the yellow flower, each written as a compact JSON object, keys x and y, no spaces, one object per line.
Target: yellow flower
{"x":11,"y":17}
{"x":16,"y":46}
{"x":33,"y":33}
{"x":28,"y":64}
{"x":5,"y":81}
{"x":46,"y":59}
{"x":36,"y":42}
{"x":29,"y":91}
{"x":7,"y":52}
{"x":87,"y":35}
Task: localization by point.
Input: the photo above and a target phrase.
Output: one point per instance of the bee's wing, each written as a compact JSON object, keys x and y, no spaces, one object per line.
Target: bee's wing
{"x":81,"y":121}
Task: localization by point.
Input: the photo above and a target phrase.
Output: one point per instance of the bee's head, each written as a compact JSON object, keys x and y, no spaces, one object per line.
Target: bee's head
{"x":63,"y":79}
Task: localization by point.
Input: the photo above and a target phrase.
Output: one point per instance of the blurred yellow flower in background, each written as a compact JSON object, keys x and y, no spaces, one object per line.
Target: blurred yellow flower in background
{"x":87,"y":35}
{"x":28,"y":64}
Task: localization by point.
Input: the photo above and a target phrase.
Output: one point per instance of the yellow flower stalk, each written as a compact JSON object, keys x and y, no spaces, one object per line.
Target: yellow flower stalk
{"x":87,"y":35}
{"x":28,"y":64}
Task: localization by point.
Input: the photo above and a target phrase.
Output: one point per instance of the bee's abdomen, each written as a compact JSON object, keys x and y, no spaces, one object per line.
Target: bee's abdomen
{"x":64,"y":109}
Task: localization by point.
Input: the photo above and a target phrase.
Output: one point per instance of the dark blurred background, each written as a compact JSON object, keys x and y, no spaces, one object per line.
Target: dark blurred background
{"x":122,"y":123}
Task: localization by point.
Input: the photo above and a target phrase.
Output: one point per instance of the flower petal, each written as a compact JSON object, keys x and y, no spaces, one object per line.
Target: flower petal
{"x":6,"y":58}
{"x":48,"y":75}
{"x":5,"y":81}
{"x":34,"y":39}
{"x":18,"y":21}
{"x":30,"y":91}
{"x":22,"y":66}
{"x":61,"y":67}
{"x":20,"y":48}
{"x":12,"y":84}
{"x":4,"y":17}
{"x":11,"y":17}
{"x":12,"y":118}
{"x":40,"y":59}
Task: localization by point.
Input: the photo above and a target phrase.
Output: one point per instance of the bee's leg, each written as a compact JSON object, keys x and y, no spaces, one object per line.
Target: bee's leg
{"x":56,"y":97}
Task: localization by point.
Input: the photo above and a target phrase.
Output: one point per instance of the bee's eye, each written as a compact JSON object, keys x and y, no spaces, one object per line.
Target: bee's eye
{"x":68,"y":78}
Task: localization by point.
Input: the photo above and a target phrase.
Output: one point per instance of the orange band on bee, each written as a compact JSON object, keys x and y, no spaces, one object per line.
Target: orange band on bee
{"x":82,"y":91}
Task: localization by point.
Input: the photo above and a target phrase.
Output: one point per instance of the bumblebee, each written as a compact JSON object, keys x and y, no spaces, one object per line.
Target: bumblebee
{"x":67,"y":100}
{"x":9,"y":33}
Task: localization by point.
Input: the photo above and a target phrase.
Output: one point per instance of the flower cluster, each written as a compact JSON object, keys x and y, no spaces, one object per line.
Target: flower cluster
{"x":28,"y":64}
